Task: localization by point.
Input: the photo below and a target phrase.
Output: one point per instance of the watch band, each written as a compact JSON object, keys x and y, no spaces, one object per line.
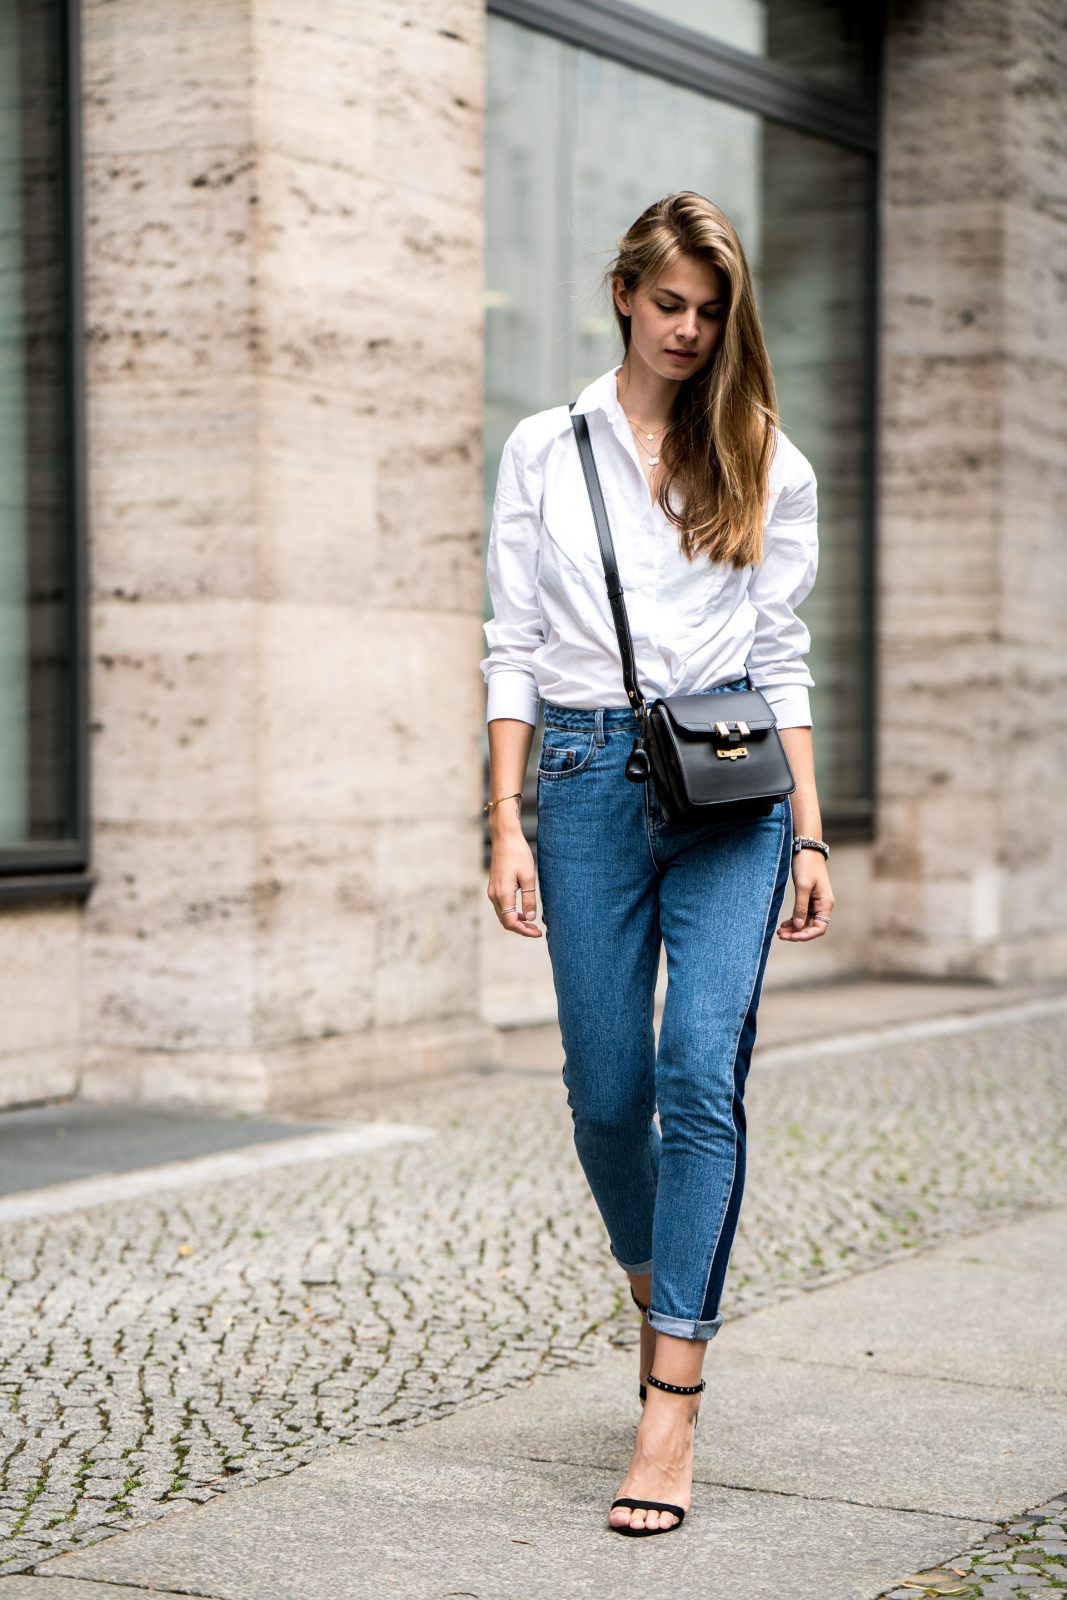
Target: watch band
{"x":803,"y":842}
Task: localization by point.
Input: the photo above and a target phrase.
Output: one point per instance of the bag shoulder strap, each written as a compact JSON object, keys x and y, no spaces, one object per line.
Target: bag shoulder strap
{"x":607,"y":555}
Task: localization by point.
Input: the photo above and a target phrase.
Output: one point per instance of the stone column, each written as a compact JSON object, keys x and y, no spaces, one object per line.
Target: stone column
{"x":284,"y":219}
{"x":972,"y":852}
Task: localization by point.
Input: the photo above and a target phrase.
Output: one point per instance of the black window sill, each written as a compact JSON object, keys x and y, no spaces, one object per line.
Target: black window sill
{"x":46,"y":886}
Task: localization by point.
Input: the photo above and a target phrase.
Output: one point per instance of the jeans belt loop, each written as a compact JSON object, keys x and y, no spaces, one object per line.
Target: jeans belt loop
{"x":598,"y":726}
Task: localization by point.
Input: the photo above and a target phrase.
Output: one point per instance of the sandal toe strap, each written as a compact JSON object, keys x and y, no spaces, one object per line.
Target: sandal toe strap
{"x":650,"y":1505}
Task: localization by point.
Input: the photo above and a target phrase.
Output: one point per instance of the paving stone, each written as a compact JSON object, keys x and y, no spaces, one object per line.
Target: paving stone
{"x":176,"y":1332}
{"x":448,"y":1525}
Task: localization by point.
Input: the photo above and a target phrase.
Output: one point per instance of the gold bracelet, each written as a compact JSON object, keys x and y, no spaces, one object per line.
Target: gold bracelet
{"x":491,"y":803}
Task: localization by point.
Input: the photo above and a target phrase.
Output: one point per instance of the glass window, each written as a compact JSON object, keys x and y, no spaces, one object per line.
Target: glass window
{"x":578,"y":145}
{"x":37,"y":718}
{"x":823,"y":39}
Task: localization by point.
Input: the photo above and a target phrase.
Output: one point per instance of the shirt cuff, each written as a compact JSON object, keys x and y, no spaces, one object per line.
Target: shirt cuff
{"x":512,"y":693}
{"x":789,"y":702}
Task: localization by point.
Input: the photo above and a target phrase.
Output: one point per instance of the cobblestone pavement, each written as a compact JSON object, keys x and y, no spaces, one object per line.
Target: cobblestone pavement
{"x":157,"y":1353}
{"x":1025,"y":1558}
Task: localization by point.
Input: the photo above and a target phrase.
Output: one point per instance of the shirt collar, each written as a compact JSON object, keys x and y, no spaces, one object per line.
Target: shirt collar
{"x":601,"y":395}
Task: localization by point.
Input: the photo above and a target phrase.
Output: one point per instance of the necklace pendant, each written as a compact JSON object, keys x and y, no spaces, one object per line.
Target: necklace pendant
{"x":653,"y":461}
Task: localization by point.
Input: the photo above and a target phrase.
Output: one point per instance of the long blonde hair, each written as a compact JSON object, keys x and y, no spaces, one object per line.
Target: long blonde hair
{"x":718,"y":444}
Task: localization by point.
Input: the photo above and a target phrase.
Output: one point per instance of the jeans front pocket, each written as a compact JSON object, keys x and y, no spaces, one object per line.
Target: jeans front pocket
{"x":564,"y":751}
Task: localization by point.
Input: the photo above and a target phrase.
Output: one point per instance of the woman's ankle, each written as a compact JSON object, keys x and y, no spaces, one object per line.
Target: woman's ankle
{"x":664,"y":1410}
{"x":641,"y":1287}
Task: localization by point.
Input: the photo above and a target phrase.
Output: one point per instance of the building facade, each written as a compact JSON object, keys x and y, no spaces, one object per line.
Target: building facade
{"x":275,"y":283}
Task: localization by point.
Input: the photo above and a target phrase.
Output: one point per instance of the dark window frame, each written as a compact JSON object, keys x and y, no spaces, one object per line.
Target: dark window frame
{"x":632,"y":36}
{"x":61,"y":870}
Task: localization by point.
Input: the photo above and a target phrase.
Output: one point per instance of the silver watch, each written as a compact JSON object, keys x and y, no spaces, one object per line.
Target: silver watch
{"x":803,"y":842}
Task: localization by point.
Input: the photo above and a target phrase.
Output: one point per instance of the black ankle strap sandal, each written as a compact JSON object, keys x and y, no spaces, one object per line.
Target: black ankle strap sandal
{"x":657,"y":1505}
{"x":678,"y":1388}
{"x":646,"y":1505}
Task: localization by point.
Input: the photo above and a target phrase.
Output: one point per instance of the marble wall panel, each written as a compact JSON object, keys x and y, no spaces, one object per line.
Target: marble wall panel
{"x":315,"y":1070}
{"x":286,"y":1077}
{"x":431,"y":98}
{"x":968,"y":32}
{"x":943,"y":95}
{"x":938,"y":581}
{"x":238,"y":1080}
{"x":31,"y":1077}
{"x":357,"y":509}
{"x":174,"y":489}
{"x":1036,"y":958}
{"x":1030,"y":737}
{"x":1035,"y":146}
{"x":1024,"y":841}
{"x":284,"y":245}
{"x":966,"y":909}
{"x":934,"y":705}
{"x":367,"y":286}
{"x":972,"y":749}
{"x":1033,"y":906}
{"x":913,"y":955}
{"x":1033,"y":570}
{"x":165,"y":77}
{"x":316,"y":68}
{"x":40,"y":995}
{"x":173,"y":731}
{"x":367,"y":715}
{"x":919,"y":839}
{"x":169,"y":959}
{"x":1035,"y":290}
{"x":430,"y":904}
{"x":942,"y":415}
{"x":429,"y":537}
{"x":170,"y":263}
{"x":515,"y":973}
{"x":947,"y":133}
{"x":317,"y":930}
{"x":317,"y":494}
{"x":942,"y":278}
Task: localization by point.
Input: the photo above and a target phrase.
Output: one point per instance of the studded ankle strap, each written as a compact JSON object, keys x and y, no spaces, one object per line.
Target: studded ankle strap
{"x":677,"y":1388}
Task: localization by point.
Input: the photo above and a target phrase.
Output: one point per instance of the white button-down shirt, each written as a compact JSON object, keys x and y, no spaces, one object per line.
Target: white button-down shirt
{"x":694,"y":623}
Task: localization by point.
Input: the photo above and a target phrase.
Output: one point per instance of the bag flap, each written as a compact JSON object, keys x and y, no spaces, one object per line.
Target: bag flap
{"x":698,"y":713}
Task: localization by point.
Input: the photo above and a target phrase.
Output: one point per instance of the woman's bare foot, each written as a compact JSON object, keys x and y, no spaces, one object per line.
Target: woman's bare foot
{"x":662,"y":1464}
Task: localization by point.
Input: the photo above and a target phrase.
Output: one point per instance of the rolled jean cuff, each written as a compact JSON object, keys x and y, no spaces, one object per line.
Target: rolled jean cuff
{"x":640,"y":1271}
{"x":684,"y":1327}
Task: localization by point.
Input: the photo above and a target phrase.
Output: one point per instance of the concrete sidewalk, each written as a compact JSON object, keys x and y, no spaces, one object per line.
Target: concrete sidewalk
{"x":848,"y":1437}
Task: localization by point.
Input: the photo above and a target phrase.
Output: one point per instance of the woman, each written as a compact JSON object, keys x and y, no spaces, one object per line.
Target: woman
{"x":713,"y":514}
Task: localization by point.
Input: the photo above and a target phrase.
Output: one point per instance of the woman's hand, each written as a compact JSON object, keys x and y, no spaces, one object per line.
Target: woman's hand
{"x":813,"y":898}
{"x":511,"y":884}
{"x":511,"y":871}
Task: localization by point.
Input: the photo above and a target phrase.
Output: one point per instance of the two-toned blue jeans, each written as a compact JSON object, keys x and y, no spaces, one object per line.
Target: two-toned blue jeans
{"x":618,"y":881}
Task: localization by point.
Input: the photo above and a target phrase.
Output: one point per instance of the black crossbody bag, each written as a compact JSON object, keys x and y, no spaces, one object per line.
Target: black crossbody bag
{"x":706,"y":767}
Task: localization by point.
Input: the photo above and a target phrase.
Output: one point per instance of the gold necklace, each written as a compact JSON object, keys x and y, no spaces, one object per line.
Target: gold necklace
{"x":653,"y":461}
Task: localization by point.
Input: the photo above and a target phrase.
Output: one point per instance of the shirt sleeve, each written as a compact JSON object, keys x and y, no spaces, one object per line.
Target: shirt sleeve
{"x":515,"y":629}
{"x":785,"y":576}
